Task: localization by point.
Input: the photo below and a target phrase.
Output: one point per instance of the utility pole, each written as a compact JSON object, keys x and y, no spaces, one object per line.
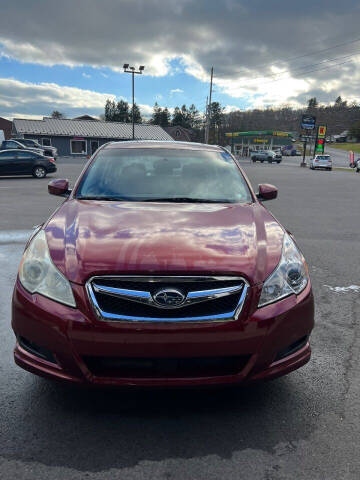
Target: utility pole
{"x":206,"y":114}
{"x":132,"y":70}
{"x":208,"y":119}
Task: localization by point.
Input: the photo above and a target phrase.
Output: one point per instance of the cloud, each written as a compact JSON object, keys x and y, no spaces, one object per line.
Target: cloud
{"x":230,"y":108}
{"x":176,"y":90}
{"x":248,"y":43}
{"x":86,"y":75}
{"x":32,"y":100}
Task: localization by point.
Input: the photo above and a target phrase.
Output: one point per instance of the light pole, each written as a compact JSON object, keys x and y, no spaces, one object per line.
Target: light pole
{"x":133,"y":71}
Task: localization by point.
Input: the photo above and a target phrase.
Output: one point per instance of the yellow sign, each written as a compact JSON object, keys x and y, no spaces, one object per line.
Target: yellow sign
{"x":321,"y":131}
{"x":280,"y":134}
{"x":260,"y":140}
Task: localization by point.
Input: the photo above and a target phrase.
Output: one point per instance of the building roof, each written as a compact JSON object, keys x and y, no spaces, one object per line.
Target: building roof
{"x":87,"y":117}
{"x":179,"y":133}
{"x":88,"y":128}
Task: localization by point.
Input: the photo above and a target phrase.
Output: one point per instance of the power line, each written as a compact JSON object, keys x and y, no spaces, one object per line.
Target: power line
{"x":320,"y":51}
{"x":290,"y":59}
{"x":314,"y":70}
{"x":307,"y":66}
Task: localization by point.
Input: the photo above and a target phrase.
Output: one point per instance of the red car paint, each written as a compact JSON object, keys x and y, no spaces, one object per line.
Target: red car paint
{"x":88,"y":238}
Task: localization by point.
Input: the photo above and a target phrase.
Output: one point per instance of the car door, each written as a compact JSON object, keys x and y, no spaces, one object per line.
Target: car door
{"x":24,"y":162}
{"x":8,"y":162}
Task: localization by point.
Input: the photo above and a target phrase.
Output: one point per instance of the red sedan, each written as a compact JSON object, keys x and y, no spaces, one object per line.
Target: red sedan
{"x":162,"y":267}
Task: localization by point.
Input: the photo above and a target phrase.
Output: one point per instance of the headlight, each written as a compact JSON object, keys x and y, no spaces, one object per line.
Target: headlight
{"x":38,"y":274}
{"x":290,"y":276}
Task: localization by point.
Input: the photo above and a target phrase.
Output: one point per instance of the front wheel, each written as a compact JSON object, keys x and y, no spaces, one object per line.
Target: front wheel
{"x":278,"y":161}
{"x":261,"y":161}
{"x":39,"y":172}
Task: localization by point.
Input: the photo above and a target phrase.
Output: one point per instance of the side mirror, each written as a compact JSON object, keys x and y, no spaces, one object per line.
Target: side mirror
{"x":59,"y":187}
{"x":267,"y":192}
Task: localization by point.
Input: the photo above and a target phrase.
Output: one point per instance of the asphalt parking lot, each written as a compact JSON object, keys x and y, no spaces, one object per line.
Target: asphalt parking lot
{"x":305,"y":426}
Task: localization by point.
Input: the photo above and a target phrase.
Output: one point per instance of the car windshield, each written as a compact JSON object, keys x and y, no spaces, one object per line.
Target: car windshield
{"x":160,"y":174}
{"x":323,"y":157}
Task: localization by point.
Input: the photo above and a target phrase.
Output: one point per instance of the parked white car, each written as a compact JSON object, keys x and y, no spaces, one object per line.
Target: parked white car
{"x":321,"y":161}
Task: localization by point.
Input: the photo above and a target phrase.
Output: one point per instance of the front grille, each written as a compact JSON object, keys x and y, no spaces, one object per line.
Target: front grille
{"x":132,"y":298}
{"x":115,"y":305}
{"x":165,"y":367}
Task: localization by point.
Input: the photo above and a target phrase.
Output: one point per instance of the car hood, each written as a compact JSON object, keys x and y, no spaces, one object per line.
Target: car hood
{"x":89,"y":238}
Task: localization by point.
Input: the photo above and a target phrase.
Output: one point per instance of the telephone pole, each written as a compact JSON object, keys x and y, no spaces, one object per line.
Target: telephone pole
{"x":207,"y":128}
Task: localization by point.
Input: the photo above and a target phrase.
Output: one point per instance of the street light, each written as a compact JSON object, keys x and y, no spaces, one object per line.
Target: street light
{"x":133,"y":71}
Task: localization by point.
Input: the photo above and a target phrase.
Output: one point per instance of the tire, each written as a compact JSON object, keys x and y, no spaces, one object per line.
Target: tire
{"x":278,"y":161}
{"x":39,"y":172}
{"x":357,"y":170}
{"x":261,"y":161}
{"x":330,"y":169}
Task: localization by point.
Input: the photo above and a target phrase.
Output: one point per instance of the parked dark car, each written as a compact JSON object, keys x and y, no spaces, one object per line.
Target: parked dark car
{"x":25,"y":162}
{"x":162,"y":267}
{"x":14,"y":144}
{"x":266,"y":156}
{"x":49,"y":151}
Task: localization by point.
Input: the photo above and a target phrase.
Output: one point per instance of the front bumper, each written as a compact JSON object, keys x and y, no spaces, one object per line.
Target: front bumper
{"x":259,"y":341}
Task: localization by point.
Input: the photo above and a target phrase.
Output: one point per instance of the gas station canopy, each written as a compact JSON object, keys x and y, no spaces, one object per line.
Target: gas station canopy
{"x":254,"y":133}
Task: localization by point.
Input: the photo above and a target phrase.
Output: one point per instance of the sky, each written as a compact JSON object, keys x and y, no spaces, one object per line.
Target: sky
{"x":67,"y":55}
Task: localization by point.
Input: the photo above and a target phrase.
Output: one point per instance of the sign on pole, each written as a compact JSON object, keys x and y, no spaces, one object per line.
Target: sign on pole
{"x":320,"y":139}
{"x":308,"y":122}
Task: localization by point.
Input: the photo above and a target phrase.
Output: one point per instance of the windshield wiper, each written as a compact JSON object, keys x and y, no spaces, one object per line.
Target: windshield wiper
{"x":186,"y":200}
{"x":101,"y":197}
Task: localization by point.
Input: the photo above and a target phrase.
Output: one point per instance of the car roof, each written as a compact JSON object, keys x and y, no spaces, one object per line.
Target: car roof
{"x":163,"y":144}
{"x":16,"y":150}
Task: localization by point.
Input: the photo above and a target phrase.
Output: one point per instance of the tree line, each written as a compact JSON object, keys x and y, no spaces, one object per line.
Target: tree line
{"x":338,"y":116}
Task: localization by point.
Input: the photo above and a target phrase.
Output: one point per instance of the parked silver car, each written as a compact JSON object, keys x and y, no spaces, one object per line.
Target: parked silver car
{"x":266,"y":156}
{"x":322,"y":161}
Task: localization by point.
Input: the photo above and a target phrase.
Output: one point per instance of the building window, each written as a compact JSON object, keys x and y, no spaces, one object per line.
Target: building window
{"x":78,"y":147}
{"x":45,"y":142}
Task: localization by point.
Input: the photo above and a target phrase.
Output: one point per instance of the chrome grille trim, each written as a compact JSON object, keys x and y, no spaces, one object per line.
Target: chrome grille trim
{"x":145,"y":297}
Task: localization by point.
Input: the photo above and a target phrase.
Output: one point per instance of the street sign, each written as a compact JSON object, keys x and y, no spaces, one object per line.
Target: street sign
{"x":306,"y":138}
{"x":308,"y":122}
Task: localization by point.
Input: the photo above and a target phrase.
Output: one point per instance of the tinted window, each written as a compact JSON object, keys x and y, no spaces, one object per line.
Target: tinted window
{"x":164,"y":174}
{"x":11,"y":144}
{"x":28,"y":143}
